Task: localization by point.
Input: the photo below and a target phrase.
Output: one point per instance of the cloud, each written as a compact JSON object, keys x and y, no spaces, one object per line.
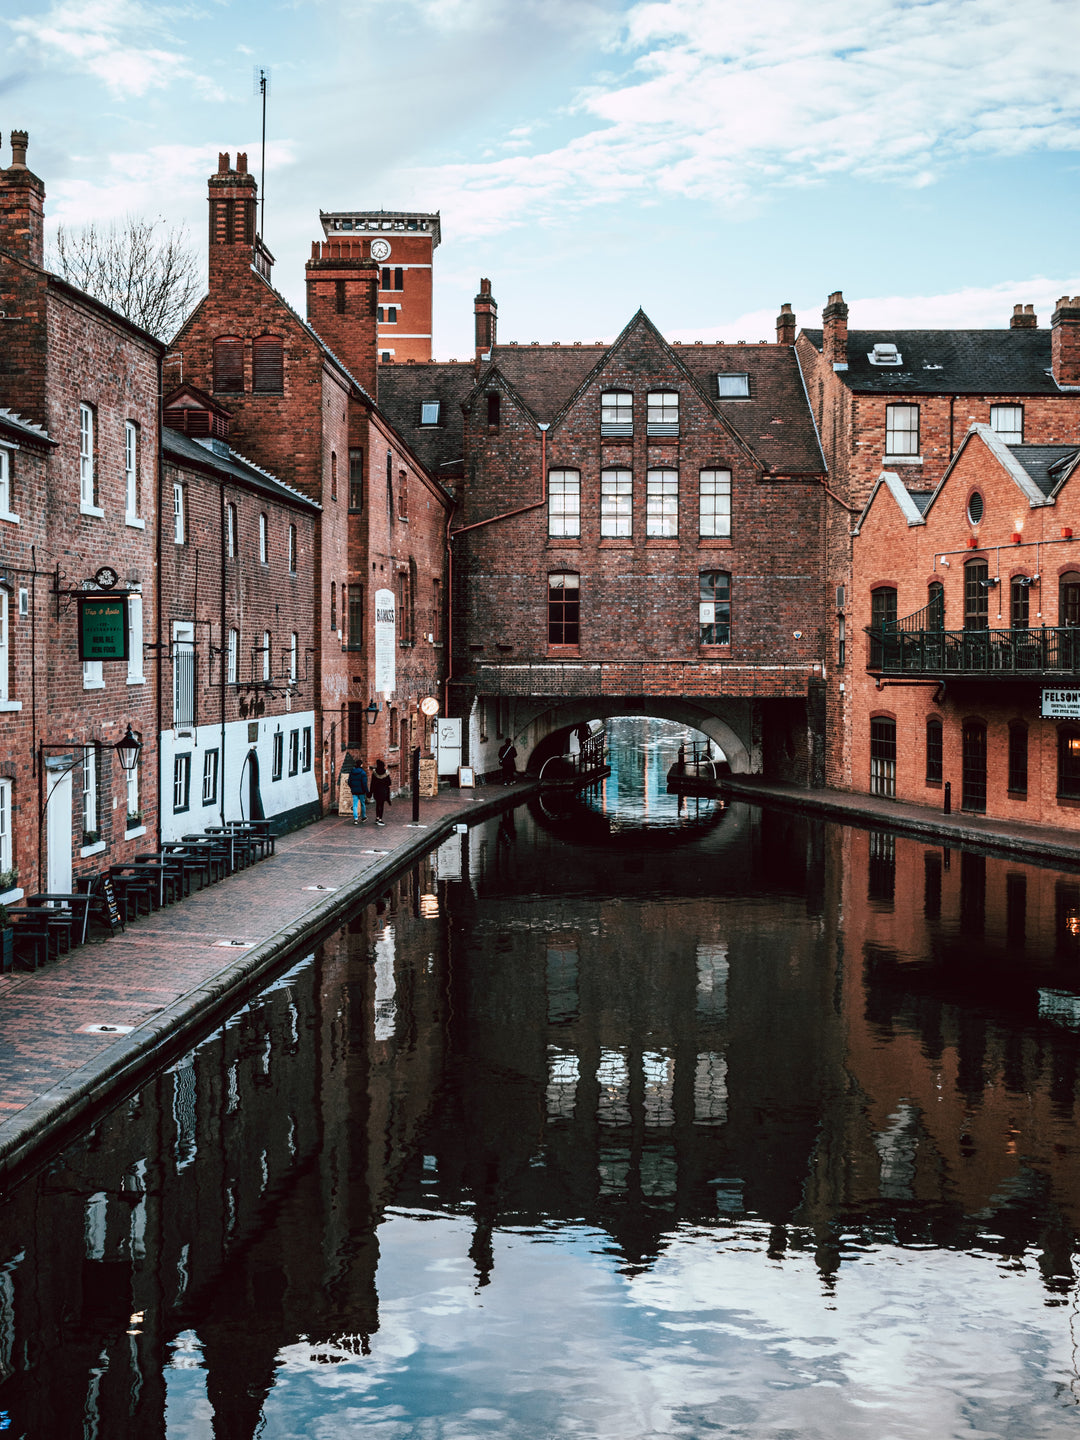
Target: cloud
{"x":122,"y":43}
{"x":720,"y":100}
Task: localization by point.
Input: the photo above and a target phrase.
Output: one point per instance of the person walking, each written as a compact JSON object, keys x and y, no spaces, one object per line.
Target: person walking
{"x":508,"y":760}
{"x":358,"y":784}
{"x":380,"y":789}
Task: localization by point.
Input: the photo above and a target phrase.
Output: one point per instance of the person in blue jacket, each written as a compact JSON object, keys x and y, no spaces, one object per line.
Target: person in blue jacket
{"x":358,"y":784}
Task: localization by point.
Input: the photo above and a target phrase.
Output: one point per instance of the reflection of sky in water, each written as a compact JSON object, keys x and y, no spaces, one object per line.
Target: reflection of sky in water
{"x":716,"y":1339}
{"x":640,"y":753}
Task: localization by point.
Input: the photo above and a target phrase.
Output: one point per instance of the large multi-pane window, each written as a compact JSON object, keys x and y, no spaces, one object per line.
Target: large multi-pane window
{"x":934,"y":751}
{"x":973,"y":766}
{"x":662,"y":502}
{"x":714,"y":502}
{"x":1018,"y":758}
{"x":617,"y":413}
{"x":882,"y":614}
{"x":1007,"y":421}
{"x":564,"y":609}
{"x":714,"y":607}
{"x":883,"y":757}
{"x":901,"y":430}
{"x":976,"y":595}
{"x":131,"y":470}
{"x":1068,"y":781}
{"x":1019,"y":603}
{"x":616,"y":503}
{"x":87,"y":476}
{"x":663,"y":412}
{"x":564,"y":502}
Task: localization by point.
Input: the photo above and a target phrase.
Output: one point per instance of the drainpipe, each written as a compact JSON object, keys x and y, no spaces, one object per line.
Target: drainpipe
{"x":158,"y":606}
{"x":223,"y":652}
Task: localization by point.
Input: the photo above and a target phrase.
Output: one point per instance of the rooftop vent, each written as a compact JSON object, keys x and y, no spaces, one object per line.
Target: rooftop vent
{"x":883,"y":354}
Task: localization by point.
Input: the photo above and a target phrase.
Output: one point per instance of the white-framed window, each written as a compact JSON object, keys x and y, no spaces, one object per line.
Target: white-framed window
{"x":305,"y":748}
{"x":279,"y":756}
{"x":662,"y":502}
{"x":93,"y":675}
{"x":617,"y":413}
{"x":181,"y":789}
{"x":267,"y":656}
{"x":714,"y":502}
{"x":292,"y":549}
{"x":294,"y":655}
{"x":733,"y":386}
{"x":135,"y":640}
{"x":1008,"y":422}
{"x":564,"y":502}
{"x":616,"y":502}
{"x":87,"y":477}
{"x":131,"y":778}
{"x":5,"y":649}
{"x":230,"y":531}
{"x":6,"y":466}
{"x":264,"y":540}
{"x":90,"y":792}
{"x":131,"y":469}
{"x":294,"y":752}
{"x":233,"y":656}
{"x":901,"y":429}
{"x":429,"y":412}
{"x":663,"y":412}
{"x":179,"y":527}
{"x":210,"y":777}
{"x":7,"y":857}
{"x":183,"y":675}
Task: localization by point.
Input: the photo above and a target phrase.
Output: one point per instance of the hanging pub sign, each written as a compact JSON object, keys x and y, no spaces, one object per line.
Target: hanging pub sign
{"x":103,"y":628}
{"x":1061,"y":704}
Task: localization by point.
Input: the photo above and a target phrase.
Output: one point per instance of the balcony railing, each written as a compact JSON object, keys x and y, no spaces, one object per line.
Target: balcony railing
{"x":1018,"y":653}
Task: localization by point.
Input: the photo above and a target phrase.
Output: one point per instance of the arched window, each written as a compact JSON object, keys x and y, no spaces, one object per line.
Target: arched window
{"x":935,"y":605}
{"x":229,"y":364}
{"x":1069,"y":599}
{"x":973,"y":763}
{"x":1068,"y":781}
{"x":1019,"y":602}
{"x":564,"y":609}
{"x":882,"y":615}
{"x":883,"y":756}
{"x":934,"y":750}
{"x":267,"y":365}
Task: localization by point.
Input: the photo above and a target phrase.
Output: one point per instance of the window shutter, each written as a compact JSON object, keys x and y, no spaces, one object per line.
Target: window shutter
{"x":228,"y":364}
{"x":268,"y":366}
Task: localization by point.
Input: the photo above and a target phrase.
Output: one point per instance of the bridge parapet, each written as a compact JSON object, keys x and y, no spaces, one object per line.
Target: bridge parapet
{"x":572,"y":679}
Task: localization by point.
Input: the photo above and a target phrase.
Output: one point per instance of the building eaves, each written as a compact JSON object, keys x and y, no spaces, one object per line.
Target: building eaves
{"x":24,"y":429}
{"x":107,"y":312}
{"x":187,"y":451}
{"x":1049,"y":466}
{"x":909,"y":509}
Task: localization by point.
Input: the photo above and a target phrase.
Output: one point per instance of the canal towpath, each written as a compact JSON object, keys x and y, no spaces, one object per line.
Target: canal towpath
{"x":171,"y":974}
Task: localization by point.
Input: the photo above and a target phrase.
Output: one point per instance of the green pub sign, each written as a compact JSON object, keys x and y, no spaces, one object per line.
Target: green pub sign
{"x":103,"y":630}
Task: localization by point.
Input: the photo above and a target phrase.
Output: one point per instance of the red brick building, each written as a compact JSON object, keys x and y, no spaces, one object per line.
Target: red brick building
{"x":903,"y":400}
{"x":79,"y":499}
{"x":402,"y":243}
{"x":640,"y":529}
{"x":971,"y":675}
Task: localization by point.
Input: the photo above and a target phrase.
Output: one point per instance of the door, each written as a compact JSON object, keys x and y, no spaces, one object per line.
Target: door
{"x":973,"y":772}
{"x":58,"y":832}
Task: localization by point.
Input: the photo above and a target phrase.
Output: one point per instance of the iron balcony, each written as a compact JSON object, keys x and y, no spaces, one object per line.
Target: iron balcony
{"x":1019,"y":654}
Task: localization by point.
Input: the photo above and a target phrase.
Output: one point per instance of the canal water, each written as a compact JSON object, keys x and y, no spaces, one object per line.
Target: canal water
{"x":608,"y":1119}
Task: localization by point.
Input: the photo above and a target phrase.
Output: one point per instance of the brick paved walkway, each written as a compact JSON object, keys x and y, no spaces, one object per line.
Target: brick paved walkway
{"x":170,"y":967}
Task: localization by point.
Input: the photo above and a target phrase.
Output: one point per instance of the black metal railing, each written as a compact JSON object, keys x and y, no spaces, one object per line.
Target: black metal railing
{"x":895,"y":649}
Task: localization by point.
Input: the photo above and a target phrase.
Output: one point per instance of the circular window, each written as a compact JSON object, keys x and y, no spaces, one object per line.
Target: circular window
{"x":975,"y":508}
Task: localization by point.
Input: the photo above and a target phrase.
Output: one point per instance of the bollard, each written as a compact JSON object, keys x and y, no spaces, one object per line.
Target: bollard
{"x":414,"y":780}
{"x":948,"y":797}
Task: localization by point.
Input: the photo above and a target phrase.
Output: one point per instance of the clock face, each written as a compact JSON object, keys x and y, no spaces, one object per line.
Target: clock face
{"x":380,"y":249}
{"x":429,"y":705}
{"x":106,"y":578}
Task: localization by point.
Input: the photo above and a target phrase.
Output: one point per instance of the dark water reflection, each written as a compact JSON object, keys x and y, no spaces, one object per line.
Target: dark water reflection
{"x":763,"y":1129}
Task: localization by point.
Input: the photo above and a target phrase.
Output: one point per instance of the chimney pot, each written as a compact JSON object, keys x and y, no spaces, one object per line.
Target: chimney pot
{"x":785,"y":325}
{"x":223,"y":162}
{"x":241,"y":163}
{"x":19,"y":141}
{"x":1024,"y":318}
{"x":835,"y":330}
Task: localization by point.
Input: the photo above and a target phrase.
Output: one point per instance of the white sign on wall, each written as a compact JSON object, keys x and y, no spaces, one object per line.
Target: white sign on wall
{"x":448,"y":741}
{"x":1061,"y":704}
{"x":385,"y":641}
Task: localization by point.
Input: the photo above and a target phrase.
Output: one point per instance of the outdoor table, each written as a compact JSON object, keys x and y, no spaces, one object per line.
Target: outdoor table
{"x":216,"y":850}
{"x":240,"y":849}
{"x":34,"y":930}
{"x":56,"y":924}
{"x":172,"y":865}
{"x":256,"y":830}
{"x":80,"y":904}
{"x":186,"y":856}
{"x":163,"y":879}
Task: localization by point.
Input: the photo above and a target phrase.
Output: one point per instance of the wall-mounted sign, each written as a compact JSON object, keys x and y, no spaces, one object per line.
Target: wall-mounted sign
{"x":1061,"y":704}
{"x":429,"y":705}
{"x":385,"y":641}
{"x":103,"y":629}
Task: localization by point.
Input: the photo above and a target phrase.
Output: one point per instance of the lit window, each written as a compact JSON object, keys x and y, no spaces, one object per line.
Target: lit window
{"x":564,"y":502}
{"x":901,"y":429}
{"x":210,"y":777}
{"x":616,"y":503}
{"x":1068,"y":787}
{"x":714,"y":502}
{"x":663,"y":412}
{"x":131,"y":468}
{"x":714,"y":607}
{"x":181,"y":782}
{"x":87,"y":479}
{"x":279,"y":756}
{"x":429,"y":412}
{"x":564,"y":609}
{"x":1007,"y":421}
{"x":662,"y":502}
{"x":178,"y":514}
{"x":733,"y":387}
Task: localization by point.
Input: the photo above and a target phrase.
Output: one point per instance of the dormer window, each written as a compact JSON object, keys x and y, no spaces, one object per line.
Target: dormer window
{"x":733,"y":387}
{"x":429,"y":412}
{"x":884,"y":354}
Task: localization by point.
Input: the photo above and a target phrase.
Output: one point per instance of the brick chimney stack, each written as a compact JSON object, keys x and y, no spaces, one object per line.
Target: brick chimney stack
{"x":1024,"y":318}
{"x":486,"y":312}
{"x":342,"y":295}
{"x":1065,"y":341}
{"x":234,"y":199}
{"x":834,"y":324}
{"x":785,"y":326}
{"x":22,"y":205}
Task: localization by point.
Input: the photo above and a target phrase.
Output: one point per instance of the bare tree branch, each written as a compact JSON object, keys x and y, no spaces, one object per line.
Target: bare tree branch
{"x":141,"y":268}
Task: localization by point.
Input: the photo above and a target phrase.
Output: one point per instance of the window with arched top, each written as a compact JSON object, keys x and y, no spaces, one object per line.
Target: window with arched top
{"x":973,"y":767}
{"x":267,"y":365}
{"x":934,"y":750}
{"x":883,"y":756}
{"x":1069,"y":598}
{"x":976,"y":595}
{"x":229,"y":364}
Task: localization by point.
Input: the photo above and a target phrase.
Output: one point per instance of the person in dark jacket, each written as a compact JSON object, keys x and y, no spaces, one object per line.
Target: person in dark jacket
{"x":358,"y":784}
{"x":508,"y":760}
{"x":380,"y":789}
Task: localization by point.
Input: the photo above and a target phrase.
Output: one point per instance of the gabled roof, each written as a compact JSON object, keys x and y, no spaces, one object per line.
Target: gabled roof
{"x":1048,"y":465}
{"x":944,"y":362}
{"x":217,"y":456}
{"x":22,"y":429}
{"x":1006,"y":458}
{"x":912,"y":505}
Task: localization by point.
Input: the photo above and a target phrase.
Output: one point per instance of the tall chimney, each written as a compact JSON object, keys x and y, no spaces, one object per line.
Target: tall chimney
{"x":234,"y":200}
{"x":486,"y":312}
{"x":1065,"y":341}
{"x":834,"y":323}
{"x":1024,"y":318}
{"x":22,"y":205}
{"x":785,"y":326}
{"x":342,"y":291}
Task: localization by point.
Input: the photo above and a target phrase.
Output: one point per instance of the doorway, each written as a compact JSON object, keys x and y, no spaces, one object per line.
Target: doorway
{"x":58,"y":830}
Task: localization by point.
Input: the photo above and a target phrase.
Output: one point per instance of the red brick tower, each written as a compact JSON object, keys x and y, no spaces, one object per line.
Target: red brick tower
{"x":402,"y":244}
{"x":234,"y":243}
{"x":342,"y":288}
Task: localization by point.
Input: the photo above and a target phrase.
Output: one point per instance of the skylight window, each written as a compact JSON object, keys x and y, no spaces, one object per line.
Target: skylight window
{"x":733,"y":387}
{"x":883,"y":354}
{"x":429,"y":412}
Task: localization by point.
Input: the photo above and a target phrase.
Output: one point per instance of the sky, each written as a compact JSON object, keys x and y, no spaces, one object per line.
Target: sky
{"x":705,"y":159}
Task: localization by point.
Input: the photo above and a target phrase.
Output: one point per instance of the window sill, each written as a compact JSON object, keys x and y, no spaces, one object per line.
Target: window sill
{"x":569,"y":652}
{"x":714,"y":542}
{"x":662,"y":542}
{"x":9,"y":897}
{"x":136,"y":679}
{"x":134,"y":834}
{"x":10,"y":705}
{"x":1017,"y":794}
{"x":135,"y":521}
{"x":94,"y":685}
{"x":97,"y":848}
{"x":932,"y":784}
{"x":902,"y":460}
{"x":616,"y":542}
{"x":715,"y":649}
{"x":94,"y":510}
{"x":564,"y":542}
{"x":11,"y":519}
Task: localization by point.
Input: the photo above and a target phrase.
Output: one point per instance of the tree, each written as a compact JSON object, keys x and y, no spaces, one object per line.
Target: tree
{"x":141,"y":268}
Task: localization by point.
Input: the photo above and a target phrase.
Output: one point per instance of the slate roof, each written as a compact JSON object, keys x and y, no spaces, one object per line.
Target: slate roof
{"x":1048,"y":465}
{"x":775,"y":421}
{"x":944,"y":362}
{"x":24,"y":428}
{"x":184,"y":450}
{"x":920,"y":499}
